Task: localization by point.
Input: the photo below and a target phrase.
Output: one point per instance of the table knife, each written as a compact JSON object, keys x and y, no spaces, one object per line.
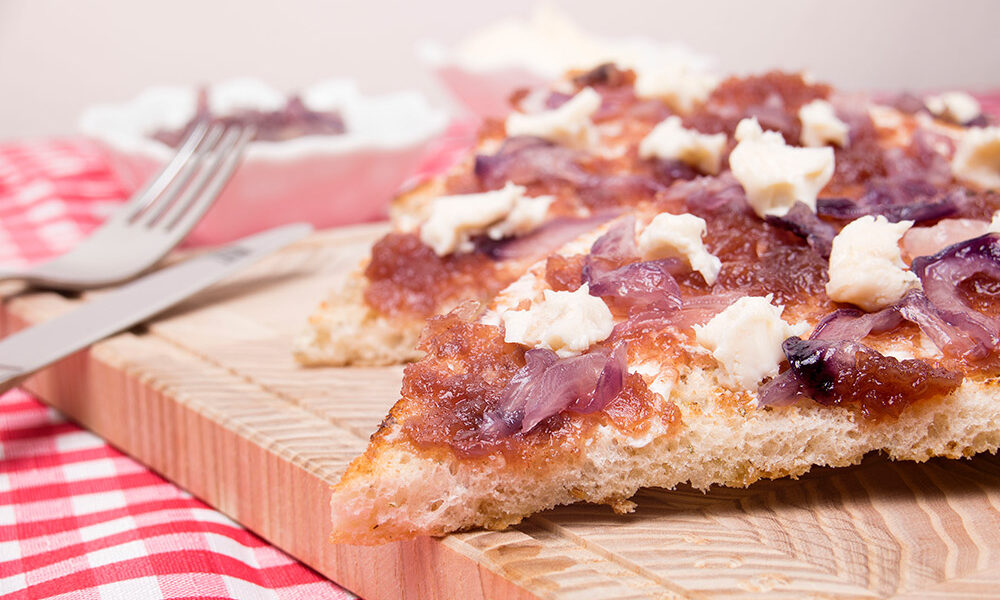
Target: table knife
{"x":27,"y":351}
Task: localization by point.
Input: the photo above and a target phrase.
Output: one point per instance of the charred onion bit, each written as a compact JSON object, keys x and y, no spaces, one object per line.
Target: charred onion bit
{"x":942,"y":276}
{"x":607,"y":74}
{"x":838,"y":373}
{"x":547,"y":385}
{"x":804,"y":223}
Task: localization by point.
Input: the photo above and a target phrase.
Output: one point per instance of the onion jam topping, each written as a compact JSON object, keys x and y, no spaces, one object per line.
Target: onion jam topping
{"x":479,"y":395}
{"x":850,"y":373}
{"x":293,"y":121}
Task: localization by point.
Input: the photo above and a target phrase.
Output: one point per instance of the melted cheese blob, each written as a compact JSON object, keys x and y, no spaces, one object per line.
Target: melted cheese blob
{"x":977,"y":158}
{"x":567,"y":323}
{"x":745,"y":339}
{"x":957,"y":107}
{"x":820,"y":125}
{"x":453,"y":220}
{"x":866,"y":264}
{"x":775,"y":175}
{"x":671,"y":141}
{"x":569,"y":124}
{"x":669,"y":235}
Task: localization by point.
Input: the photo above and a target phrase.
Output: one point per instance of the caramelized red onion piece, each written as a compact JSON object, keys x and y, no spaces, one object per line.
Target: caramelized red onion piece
{"x":614,"y":249}
{"x":849,"y":373}
{"x":783,"y":390}
{"x":509,"y":414}
{"x":854,"y":324}
{"x":707,"y":195}
{"x":942,"y":273}
{"x":851,"y":324}
{"x":952,"y":340}
{"x":916,"y":211}
{"x":924,"y":241}
{"x":547,"y":385}
{"x":639,"y":286}
{"x":609,"y":384}
{"x":543,"y":240}
{"x":525,"y":160}
{"x":567,"y":382}
{"x":804,"y":223}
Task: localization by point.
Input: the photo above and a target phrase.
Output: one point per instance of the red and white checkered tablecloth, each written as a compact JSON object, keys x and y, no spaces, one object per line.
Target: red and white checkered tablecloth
{"x":79,"y":520}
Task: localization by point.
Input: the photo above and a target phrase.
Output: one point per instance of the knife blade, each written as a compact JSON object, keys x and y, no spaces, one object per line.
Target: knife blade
{"x":27,"y":351}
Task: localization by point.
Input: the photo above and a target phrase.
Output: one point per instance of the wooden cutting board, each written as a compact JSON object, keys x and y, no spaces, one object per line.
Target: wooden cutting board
{"x":210,"y":397}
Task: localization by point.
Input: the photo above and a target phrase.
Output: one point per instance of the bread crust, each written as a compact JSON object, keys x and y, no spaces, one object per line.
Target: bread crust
{"x":395,"y":491}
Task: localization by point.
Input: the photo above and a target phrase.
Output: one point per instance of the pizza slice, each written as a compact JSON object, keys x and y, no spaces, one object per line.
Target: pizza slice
{"x":743,"y":326}
{"x":576,"y":154}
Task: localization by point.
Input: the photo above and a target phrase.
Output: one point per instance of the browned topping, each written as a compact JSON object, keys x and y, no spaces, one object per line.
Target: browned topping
{"x":463,"y":377}
{"x":634,"y":404}
{"x":406,"y":276}
{"x":773,"y":98}
{"x":564,"y":274}
{"x":883,"y":386}
{"x":759,"y":258}
{"x":860,"y":161}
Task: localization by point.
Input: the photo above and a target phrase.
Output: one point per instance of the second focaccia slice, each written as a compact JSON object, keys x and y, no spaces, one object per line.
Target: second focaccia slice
{"x":594,"y":145}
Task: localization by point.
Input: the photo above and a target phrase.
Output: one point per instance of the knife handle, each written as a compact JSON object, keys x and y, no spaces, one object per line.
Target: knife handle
{"x":12,"y":377}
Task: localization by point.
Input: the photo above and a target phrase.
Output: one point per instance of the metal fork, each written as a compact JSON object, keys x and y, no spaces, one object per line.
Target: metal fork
{"x":154,"y":220}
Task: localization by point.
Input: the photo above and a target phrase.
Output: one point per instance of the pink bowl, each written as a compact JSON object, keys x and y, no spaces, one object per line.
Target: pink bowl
{"x":325,"y":180}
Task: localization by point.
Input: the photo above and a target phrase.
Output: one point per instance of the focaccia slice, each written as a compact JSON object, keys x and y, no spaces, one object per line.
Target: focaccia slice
{"x":593,"y":164}
{"x":699,"y":341}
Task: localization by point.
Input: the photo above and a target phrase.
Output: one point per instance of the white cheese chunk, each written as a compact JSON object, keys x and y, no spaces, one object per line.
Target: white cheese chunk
{"x":775,"y":175}
{"x":745,"y":339}
{"x":569,"y":124}
{"x":977,"y":158}
{"x":994,"y":223}
{"x":669,"y":236}
{"x":567,"y":323}
{"x":957,"y":107}
{"x":453,"y":220}
{"x":866,"y":266}
{"x":820,"y":125}
{"x":680,"y":87}
{"x":671,"y":141}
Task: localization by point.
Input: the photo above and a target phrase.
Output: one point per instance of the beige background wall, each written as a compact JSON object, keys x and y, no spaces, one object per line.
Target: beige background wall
{"x":57,"y":56}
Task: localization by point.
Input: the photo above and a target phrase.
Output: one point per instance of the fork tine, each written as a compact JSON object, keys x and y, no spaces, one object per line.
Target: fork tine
{"x":176,"y":186}
{"x":202,"y":194}
{"x":149,"y":192}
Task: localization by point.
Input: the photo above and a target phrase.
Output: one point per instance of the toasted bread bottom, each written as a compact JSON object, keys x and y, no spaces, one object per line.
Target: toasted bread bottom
{"x":395,"y":491}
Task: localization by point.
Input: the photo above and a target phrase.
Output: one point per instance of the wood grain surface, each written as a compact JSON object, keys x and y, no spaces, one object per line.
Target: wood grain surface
{"x":209,"y":396}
